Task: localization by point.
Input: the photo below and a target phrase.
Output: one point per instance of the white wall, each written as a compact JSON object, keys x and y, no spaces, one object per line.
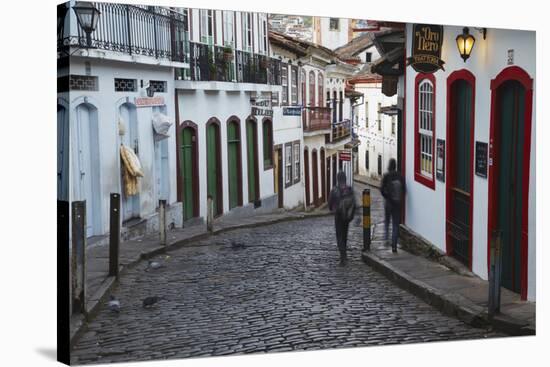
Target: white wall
{"x":107,"y":102}
{"x":425,"y":208}
{"x":377,"y":142}
{"x":335,"y":38}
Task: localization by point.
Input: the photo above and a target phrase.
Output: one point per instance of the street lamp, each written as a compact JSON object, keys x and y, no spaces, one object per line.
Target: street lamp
{"x":87,"y":16}
{"x":465,"y":43}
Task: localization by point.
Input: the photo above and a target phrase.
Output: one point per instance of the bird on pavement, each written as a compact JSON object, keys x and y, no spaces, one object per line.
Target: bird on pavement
{"x":114,"y":304}
{"x":154,"y":265}
{"x":236,"y":245}
{"x":150,"y":301}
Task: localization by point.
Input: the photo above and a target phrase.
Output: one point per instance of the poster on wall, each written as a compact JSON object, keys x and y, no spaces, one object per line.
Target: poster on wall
{"x":426,"y":48}
{"x":481,"y":159}
{"x":440,"y":162}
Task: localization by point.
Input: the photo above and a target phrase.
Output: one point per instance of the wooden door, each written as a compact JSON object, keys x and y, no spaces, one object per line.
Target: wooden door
{"x":306,"y":174}
{"x":323,"y":175}
{"x":187,"y":162}
{"x":510,"y":137}
{"x":460,"y":166}
{"x":214,"y":167}
{"x":328,"y":178}
{"x":279,"y":184}
{"x":234,"y":165}
{"x":334,"y":169}
{"x":314,"y":166}
{"x":252,"y":159}
{"x":62,"y":153}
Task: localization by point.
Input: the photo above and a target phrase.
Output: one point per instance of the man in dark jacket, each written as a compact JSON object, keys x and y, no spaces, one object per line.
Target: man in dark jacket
{"x":341,"y":222}
{"x":393,"y":190}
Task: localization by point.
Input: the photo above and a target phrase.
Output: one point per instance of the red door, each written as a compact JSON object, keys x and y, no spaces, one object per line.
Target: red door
{"x":306,"y":173}
{"x":315,"y":164}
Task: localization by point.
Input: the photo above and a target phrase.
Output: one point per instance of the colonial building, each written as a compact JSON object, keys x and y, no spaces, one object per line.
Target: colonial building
{"x":114,"y":86}
{"x":225,"y":122}
{"x":469,"y":147}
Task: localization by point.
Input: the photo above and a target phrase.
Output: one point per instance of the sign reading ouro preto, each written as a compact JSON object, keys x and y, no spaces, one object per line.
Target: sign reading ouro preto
{"x":426,"y":48}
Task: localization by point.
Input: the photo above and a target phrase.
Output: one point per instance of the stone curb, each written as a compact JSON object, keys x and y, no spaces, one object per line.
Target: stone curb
{"x":107,"y":286}
{"x":451,"y":304}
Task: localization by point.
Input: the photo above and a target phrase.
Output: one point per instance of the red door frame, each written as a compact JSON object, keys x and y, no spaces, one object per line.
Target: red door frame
{"x":468,"y":77}
{"x":518,"y":74}
{"x":323,"y":175}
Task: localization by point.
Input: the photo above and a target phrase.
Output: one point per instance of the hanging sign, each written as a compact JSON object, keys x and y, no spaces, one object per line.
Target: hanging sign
{"x":481,"y":159}
{"x":345,"y":156}
{"x":440,"y":162}
{"x":292,"y":111}
{"x":426,"y":48}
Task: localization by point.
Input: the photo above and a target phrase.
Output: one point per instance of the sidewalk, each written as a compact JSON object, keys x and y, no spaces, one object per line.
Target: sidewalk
{"x":99,"y":284}
{"x":443,"y":282}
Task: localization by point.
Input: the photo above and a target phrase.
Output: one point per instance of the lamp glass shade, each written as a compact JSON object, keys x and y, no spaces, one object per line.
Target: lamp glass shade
{"x":87,"y":16}
{"x":465,"y":43}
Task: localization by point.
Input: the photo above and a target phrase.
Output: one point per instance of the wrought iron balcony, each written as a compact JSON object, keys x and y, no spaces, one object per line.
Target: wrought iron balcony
{"x":152,"y":31}
{"x":215,"y":63}
{"x":318,"y":118}
{"x":340,"y":131}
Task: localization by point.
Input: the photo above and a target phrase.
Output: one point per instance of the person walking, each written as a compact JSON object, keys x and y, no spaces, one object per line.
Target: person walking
{"x":342,"y":203}
{"x":393,"y":190}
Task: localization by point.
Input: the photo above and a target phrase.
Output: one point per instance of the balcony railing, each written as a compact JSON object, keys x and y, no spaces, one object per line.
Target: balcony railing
{"x":131,"y":29}
{"x":340,"y":131}
{"x":215,"y":63}
{"x":318,"y":118}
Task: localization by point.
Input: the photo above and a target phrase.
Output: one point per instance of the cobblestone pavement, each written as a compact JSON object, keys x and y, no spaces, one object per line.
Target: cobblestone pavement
{"x":282,"y":291}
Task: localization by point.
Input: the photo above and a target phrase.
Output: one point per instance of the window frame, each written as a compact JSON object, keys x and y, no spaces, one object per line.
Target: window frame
{"x":420,"y":177}
{"x":206,"y":17}
{"x":228,"y":19}
{"x":284,"y":84}
{"x":288,"y":163}
{"x":293,"y":85}
{"x":379,"y":117}
{"x":337,"y":23}
{"x":367,"y":114}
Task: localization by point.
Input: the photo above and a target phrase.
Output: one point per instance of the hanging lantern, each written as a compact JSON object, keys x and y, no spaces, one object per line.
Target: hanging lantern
{"x":465,"y":43}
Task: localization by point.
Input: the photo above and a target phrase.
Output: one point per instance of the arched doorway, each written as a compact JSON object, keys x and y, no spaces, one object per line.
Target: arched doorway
{"x":510,"y":139}
{"x":213,"y":165}
{"x":85,"y":165}
{"x":252,"y":159}
{"x":315,"y":176}
{"x":234,"y":162}
{"x":460,"y":153}
{"x":128,"y":115}
{"x":188,"y":191}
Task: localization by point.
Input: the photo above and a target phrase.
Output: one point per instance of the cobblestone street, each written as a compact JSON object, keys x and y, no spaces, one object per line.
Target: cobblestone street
{"x":279,"y":289}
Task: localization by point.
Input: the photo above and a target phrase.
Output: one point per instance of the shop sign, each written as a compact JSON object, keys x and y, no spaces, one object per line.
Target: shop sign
{"x":149,"y":101}
{"x":292,"y":111}
{"x":440,"y":162}
{"x":345,"y":156}
{"x":426,"y":48}
{"x":481,"y":159}
{"x":261,"y":107}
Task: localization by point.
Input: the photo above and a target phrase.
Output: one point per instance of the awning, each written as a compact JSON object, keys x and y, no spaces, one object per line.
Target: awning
{"x":390,"y":110}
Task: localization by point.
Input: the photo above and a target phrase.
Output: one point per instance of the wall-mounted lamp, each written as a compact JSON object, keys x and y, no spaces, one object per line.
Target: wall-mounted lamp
{"x":465,"y":43}
{"x":87,"y":16}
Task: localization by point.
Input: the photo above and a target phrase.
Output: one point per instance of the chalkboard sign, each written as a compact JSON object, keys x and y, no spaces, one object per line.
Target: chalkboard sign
{"x":426,"y":48}
{"x":481,"y":159}
{"x":440,"y":162}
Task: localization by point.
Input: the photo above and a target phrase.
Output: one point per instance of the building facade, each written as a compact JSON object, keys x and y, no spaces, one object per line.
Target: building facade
{"x":111,"y":92}
{"x":469,"y":148}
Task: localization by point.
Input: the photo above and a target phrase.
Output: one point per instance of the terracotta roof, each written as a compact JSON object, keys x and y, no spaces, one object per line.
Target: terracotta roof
{"x":350,"y":50}
{"x":365,"y":74}
{"x":299,"y":45}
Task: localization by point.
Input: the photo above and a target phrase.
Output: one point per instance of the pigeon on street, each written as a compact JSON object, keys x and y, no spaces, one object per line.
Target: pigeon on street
{"x":153,"y":265}
{"x":114,"y":304}
{"x":150,"y":301}
{"x":236,"y":245}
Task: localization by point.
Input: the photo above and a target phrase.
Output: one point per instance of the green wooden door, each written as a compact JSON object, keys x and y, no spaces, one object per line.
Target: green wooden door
{"x":251,"y":155}
{"x":186,"y":169}
{"x":461,"y":171}
{"x":233,"y":144}
{"x":510,"y":168}
{"x":212,"y":165}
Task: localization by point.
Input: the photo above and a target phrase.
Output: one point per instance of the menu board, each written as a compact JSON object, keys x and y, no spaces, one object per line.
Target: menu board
{"x":481,"y":159}
{"x":440,"y":162}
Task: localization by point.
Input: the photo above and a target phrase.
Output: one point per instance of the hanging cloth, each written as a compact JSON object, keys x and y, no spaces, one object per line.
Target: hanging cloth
{"x":131,"y":170}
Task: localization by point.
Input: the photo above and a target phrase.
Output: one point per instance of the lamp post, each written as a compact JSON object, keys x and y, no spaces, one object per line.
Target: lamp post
{"x":465,"y":43}
{"x":87,"y":16}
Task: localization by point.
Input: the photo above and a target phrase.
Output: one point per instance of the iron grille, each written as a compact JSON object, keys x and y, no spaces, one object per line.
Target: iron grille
{"x":158,"y":86}
{"x":125,"y":85}
{"x":83,"y":82}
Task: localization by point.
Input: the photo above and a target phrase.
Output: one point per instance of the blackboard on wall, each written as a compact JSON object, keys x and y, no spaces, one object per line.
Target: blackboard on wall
{"x":481,"y":159}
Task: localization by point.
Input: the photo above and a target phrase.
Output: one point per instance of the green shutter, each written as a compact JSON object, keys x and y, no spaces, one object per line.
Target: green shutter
{"x":232,"y":156}
{"x":186,"y":167}
{"x":212,"y":165}
{"x":251,"y":158}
